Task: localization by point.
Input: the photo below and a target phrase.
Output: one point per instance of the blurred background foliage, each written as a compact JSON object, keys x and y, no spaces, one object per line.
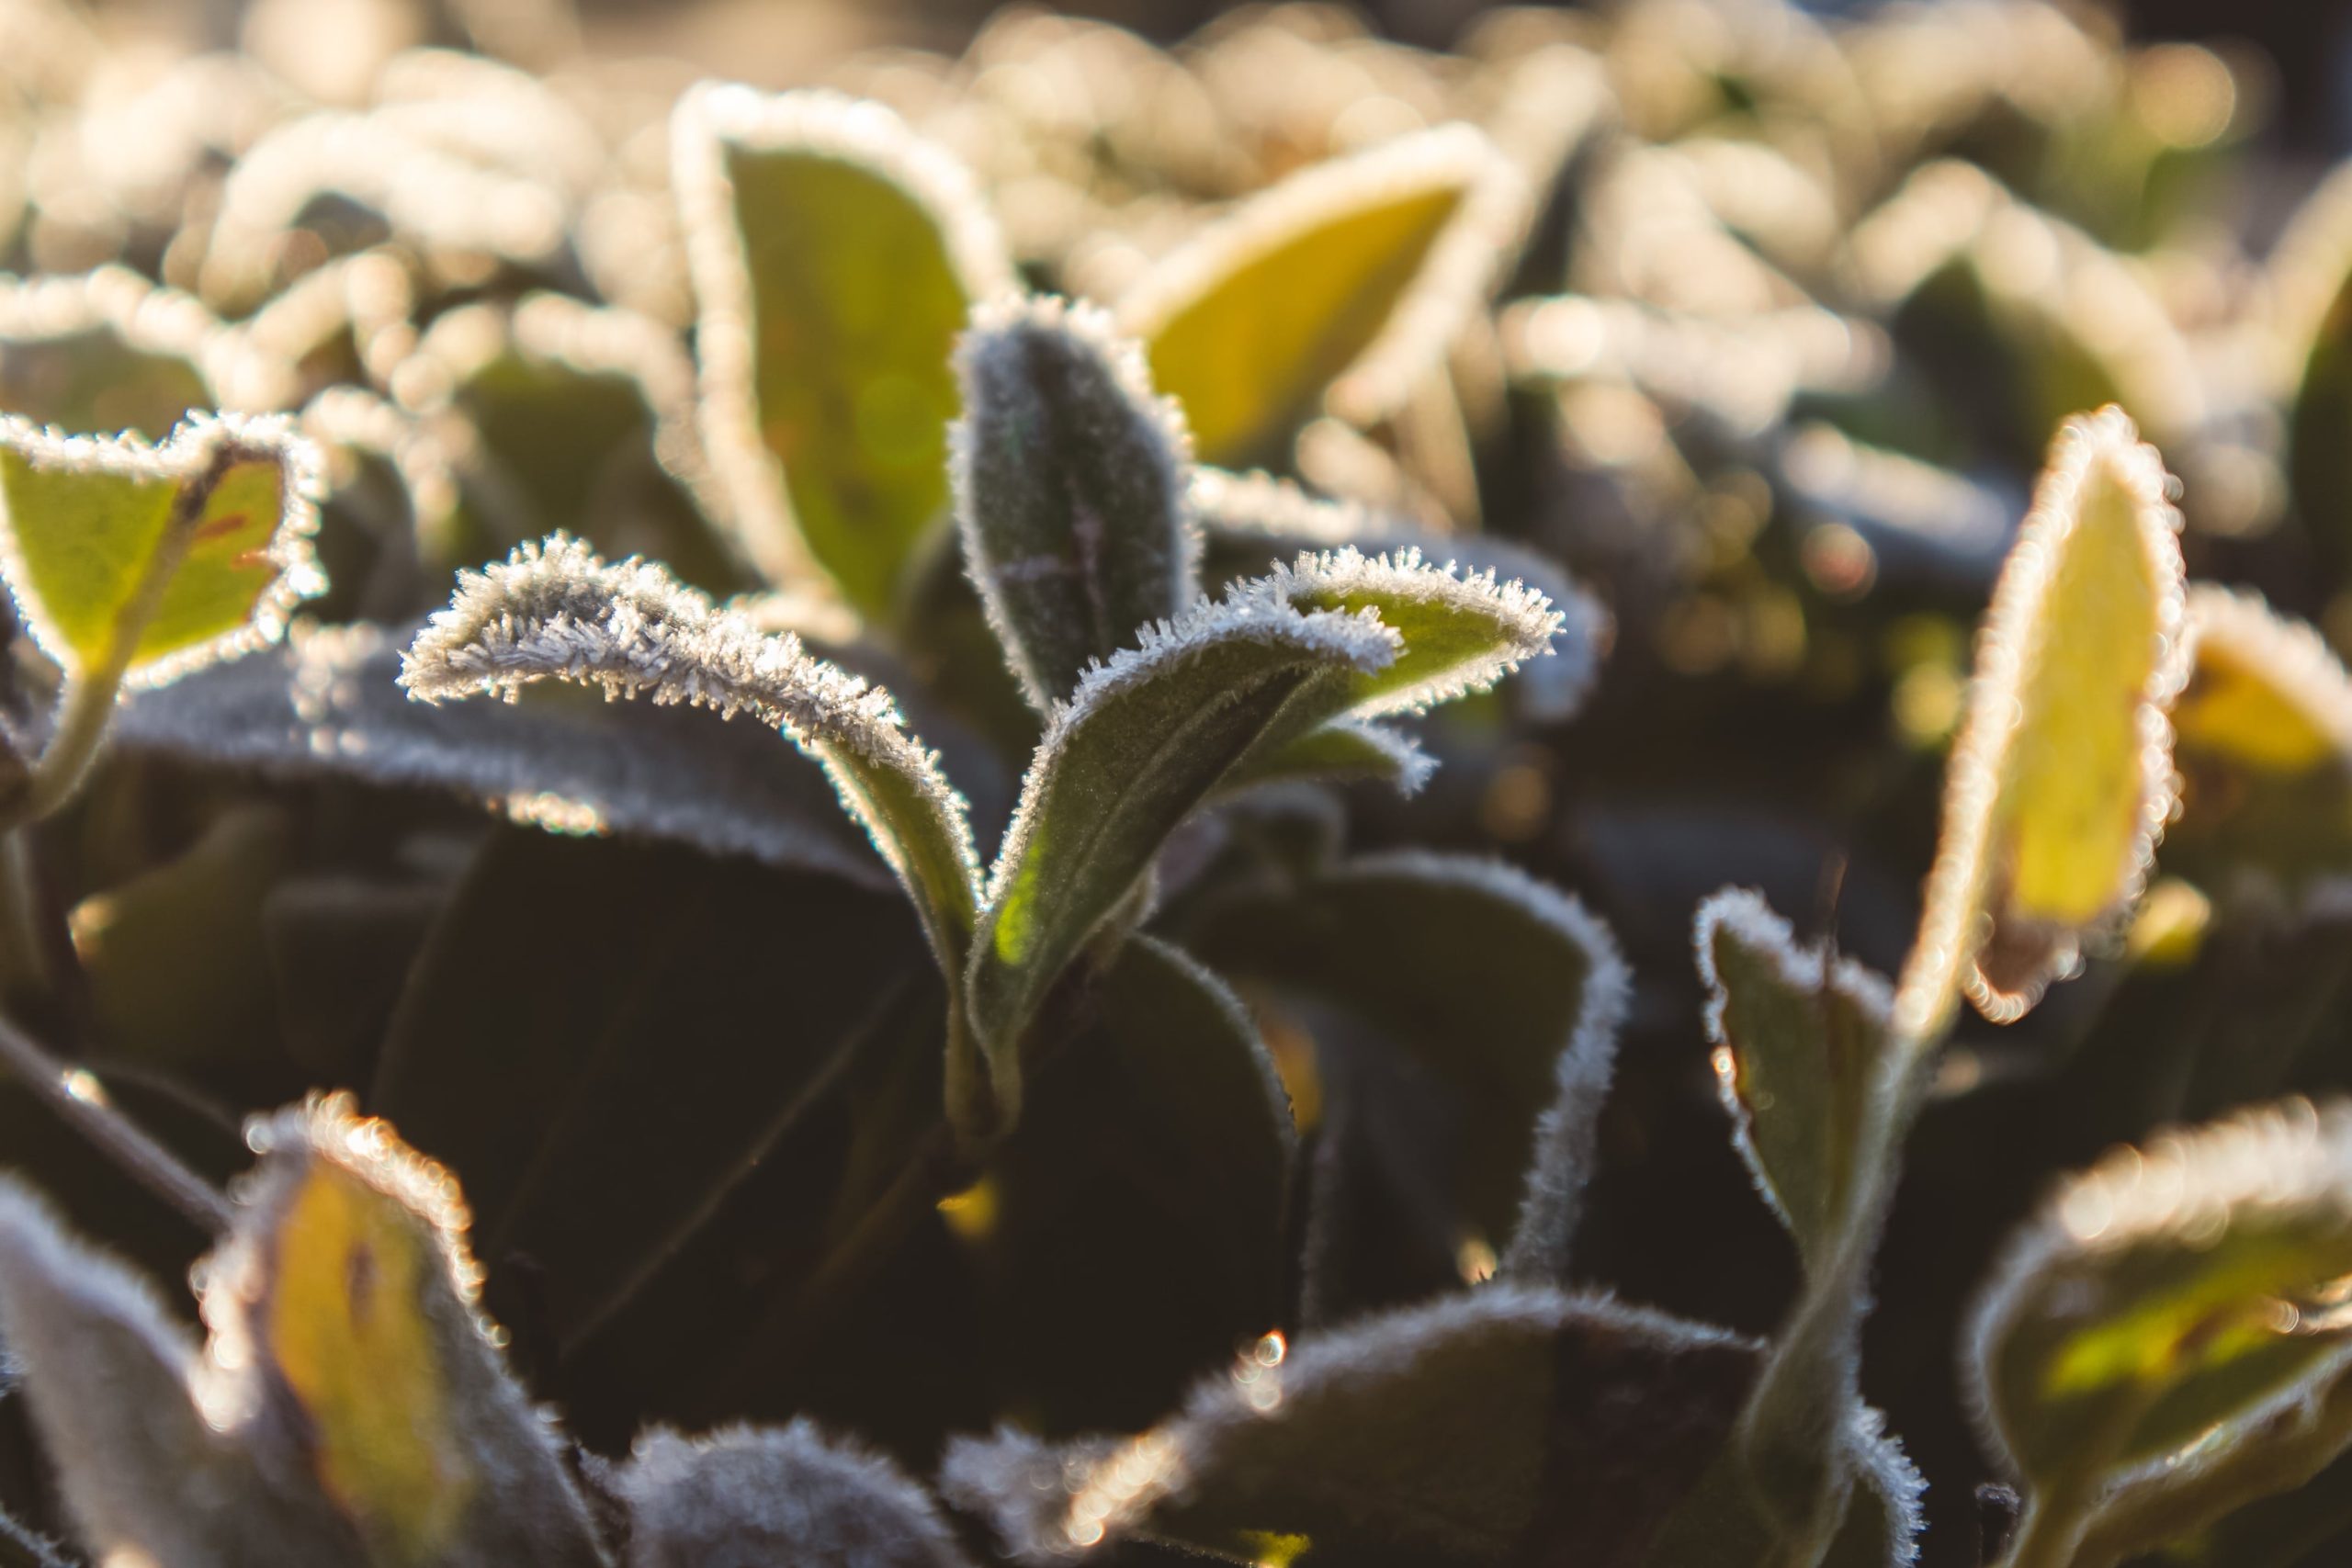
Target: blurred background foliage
{"x":1805,"y":295}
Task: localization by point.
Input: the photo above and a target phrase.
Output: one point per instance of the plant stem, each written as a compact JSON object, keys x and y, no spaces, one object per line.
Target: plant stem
{"x":2052,"y":1526}
{"x":81,"y":1104}
{"x":20,"y":924}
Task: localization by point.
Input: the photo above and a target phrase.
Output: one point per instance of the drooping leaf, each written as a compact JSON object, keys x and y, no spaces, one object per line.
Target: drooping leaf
{"x":686,"y":1010}
{"x":835,"y":257}
{"x":1363,"y":267}
{"x":330,"y":703}
{"x":1508,"y":989}
{"x":2178,"y":1291}
{"x":1142,"y":741}
{"x":1254,"y":521}
{"x":2263,"y":734}
{"x":1801,"y":1050}
{"x":1158,"y":1145}
{"x":2061,"y":779}
{"x":1070,"y":477}
{"x":103,"y":352}
{"x":751,"y":1495}
{"x":1515,"y":1420}
{"x":117,"y":1393}
{"x":557,"y":613}
{"x":199,"y":546}
{"x":346,"y":1284}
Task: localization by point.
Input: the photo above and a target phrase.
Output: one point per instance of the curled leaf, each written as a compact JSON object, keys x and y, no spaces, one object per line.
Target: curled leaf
{"x":2061,"y":776}
{"x":1512,"y":1420}
{"x":556,"y":611}
{"x":1142,"y":741}
{"x":2186,"y":1288}
{"x":152,"y":561}
{"x":1801,"y":1048}
{"x":1356,"y":272}
{"x":1069,"y":489}
{"x":835,"y":257}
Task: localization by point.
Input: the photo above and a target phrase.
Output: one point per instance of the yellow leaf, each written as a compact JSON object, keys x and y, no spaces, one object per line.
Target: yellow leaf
{"x":1355,"y":272}
{"x":2062,"y":777}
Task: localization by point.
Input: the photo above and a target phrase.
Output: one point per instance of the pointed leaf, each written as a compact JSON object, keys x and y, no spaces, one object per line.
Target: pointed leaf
{"x":2060,"y":778}
{"x":1347,"y":265}
{"x":347,"y":1284}
{"x":1511,"y":1420}
{"x":1252,"y":522}
{"x":2264,"y":736}
{"x":201,"y":545}
{"x":1070,"y":480}
{"x":1509,"y":989}
{"x":835,"y":257}
{"x":1143,"y":741}
{"x":1800,"y":1048}
{"x":557,"y":613}
{"x":329,"y":704}
{"x":2181,"y":1290}
{"x":750,"y":1495}
{"x":116,"y":1392}
{"x":1343,"y":752}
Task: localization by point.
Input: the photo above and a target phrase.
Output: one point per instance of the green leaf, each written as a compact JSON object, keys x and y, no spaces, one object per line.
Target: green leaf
{"x":835,"y":257}
{"x":193,"y":551}
{"x":2061,"y":779}
{"x":328,"y":704}
{"x":1254,"y":521}
{"x":556,"y":611}
{"x":1363,"y":267}
{"x":2174,"y":1295}
{"x":1070,"y":478}
{"x":1508,"y":989}
{"x":576,"y":998}
{"x":1143,"y":741}
{"x":104,"y":352}
{"x":2262,"y":734}
{"x":1344,"y":751}
{"x":1512,"y":1420}
{"x":112,"y":1382}
{"x":346,"y":1283}
{"x":1801,"y":1050}
{"x":1158,"y":1145}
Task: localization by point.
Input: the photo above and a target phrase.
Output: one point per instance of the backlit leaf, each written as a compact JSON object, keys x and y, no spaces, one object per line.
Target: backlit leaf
{"x":207,"y":534}
{"x":1070,"y":477}
{"x":2178,"y":1291}
{"x":2263,"y":734}
{"x":835,"y":257}
{"x":2061,"y":779}
{"x":104,"y":352}
{"x":1344,"y":268}
{"x":1142,"y":741}
{"x":1801,"y":1050}
{"x":1512,"y":1420}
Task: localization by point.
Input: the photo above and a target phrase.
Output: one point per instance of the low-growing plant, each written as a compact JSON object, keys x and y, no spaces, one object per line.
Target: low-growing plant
{"x":1095,"y":1061}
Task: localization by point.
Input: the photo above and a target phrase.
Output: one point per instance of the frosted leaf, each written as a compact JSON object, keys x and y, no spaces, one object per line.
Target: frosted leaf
{"x":1257,"y":520}
{"x":1801,"y":1038}
{"x":1069,"y":477}
{"x":112,"y":1382}
{"x":835,"y":256}
{"x":330,"y":703}
{"x":1143,"y":741}
{"x":106,"y":351}
{"x":749,"y":1494}
{"x":1344,"y":751}
{"x":1720,"y":1523}
{"x":1340,"y":285}
{"x":2062,"y":777}
{"x":2176,"y":1293}
{"x":194,"y":551}
{"x":348,"y":321}
{"x":1511,"y":1419}
{"x":556,"y":611}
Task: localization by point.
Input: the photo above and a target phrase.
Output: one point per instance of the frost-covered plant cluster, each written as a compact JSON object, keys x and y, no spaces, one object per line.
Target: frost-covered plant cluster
{"x":835,"y":826}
